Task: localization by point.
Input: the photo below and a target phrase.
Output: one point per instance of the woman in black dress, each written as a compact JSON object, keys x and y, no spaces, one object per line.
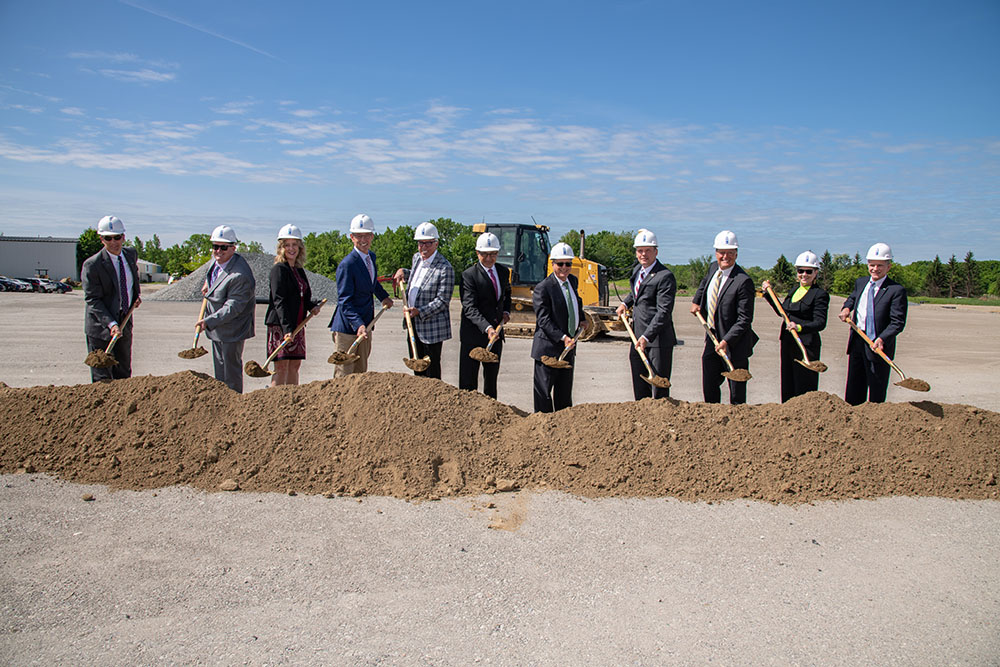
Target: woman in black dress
{"x":290,"y":301}
{"x":806,"y":307}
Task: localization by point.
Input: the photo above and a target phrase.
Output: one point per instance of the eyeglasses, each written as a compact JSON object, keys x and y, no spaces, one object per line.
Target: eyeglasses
{"x":562,"y":264}
{"x":425,"y":242}
{"x":221,"y":246}
{"x":114,"y":237}
{"x":808,"y":272}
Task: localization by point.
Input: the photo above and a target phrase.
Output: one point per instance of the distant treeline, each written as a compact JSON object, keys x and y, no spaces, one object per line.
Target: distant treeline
{"x":394,"y":248}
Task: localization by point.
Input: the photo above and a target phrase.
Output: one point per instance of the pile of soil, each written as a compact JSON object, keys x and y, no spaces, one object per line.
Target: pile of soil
{"x":410,"y":437}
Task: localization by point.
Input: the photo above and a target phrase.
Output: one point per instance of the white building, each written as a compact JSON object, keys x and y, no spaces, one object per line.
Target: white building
{"x":30,"y":256}
{"x":151,"y":273}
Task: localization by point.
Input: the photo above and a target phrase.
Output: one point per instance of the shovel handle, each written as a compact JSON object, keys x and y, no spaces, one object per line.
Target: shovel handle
{"x":635,"y":341}
{"x":715,"y":340}
{"x":121,"y":327}
{"x":788,"y":320}
{"x":858,"y":330}
{"x":489,"y":346}
{"x":409,"y":323}
{"x":302,"y":325}
{"x":201,"y":316}
{"x":354,"y":345}
{"x":579,"y":330}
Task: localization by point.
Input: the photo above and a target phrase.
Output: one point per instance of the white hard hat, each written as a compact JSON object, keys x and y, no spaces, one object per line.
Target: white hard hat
{"x":561,"y":251}
{"x":426,"y":231}
{"x":362,"y":224}
{"x":880,"y":251}
{"x":110,"y":225}
{"x":290,"y":232}
{"x":808,"y":258}
{"x":726,"y":240}
{"x":645,"y":239}
{"x":224,"y":234}
{"x":487,"y":242}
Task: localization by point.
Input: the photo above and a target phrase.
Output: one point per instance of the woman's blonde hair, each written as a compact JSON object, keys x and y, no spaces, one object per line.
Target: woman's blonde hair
{"x":300,"y":259}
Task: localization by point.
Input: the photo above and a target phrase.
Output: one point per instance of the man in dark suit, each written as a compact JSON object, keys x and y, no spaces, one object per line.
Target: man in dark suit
{"x":725,"y":299}
{"x":651,"y":299}
{"x":357,"y":283}
{"x":229,"y":315}
{"x":558,"y":316}
{"x":110,"y":289}
{"x":485,"y":295}
{"x":879,"y":309}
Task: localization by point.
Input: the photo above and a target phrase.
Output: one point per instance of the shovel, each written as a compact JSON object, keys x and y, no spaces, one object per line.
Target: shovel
{"x":734,"y":374}
{"x":196,"y":351}
{"x":905,"y":382}
{"x":104,"y":358}
{"x":413,"y":363}
{"x":561,"y":361}
{"x":341,"y":358}
{"x":817,"y":366}
{"x":255,"y":370}
{"x":652,"y":379}
{"x":484,"y":354}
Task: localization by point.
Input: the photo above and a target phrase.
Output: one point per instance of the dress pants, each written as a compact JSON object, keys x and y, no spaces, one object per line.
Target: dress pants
{"x":796,"y":379}
{"x":661,"y":360}
{"x":122,"y":352}
{"x":712,"y":367}
{"x":228,"y":361}
{"x":552,"y":387}
{"x":867,"y":379}
{"x":468,"y":369}
{"x":432,"y":350}
{"x":342,"y":343}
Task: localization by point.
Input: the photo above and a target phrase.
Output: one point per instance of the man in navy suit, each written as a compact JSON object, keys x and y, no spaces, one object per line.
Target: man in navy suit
{"x":725,"y":298}
{"x":558,"y":317}
{"x":485,"y":295}
{"x":110,"y":288}
{"x":357,"y":283}
{"x":652,"y":302}
{"x":879,"y":309}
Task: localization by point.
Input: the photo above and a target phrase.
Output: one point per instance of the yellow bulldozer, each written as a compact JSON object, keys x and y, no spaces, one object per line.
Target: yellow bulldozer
{"x":524,"y":249}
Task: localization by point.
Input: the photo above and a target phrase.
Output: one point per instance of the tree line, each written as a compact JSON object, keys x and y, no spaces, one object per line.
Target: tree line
{"x":395,"y":247}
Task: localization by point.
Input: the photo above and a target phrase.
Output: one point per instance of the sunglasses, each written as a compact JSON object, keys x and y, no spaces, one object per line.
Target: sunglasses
{"x":221,"y":246}
{"x":562,"y":263}
{"x":114,"y":237}
{"x":808,"y":272}
{"x":426,"y":242}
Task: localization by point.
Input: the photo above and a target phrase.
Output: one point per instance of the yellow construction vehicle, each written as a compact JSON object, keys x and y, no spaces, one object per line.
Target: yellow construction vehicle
{"x":524,"y":249}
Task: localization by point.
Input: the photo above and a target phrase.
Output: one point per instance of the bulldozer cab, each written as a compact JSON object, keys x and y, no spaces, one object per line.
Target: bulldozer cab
{"x":524,"y":249}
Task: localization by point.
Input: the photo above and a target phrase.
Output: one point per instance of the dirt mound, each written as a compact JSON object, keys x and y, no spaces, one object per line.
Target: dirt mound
{"x":410,"y":437}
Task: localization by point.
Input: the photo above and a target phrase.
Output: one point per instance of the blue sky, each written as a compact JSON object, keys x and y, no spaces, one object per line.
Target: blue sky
{"x":800,"y":125}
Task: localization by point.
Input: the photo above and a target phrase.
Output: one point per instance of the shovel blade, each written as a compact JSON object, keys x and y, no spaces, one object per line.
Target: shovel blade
{"x":481,"y":354}
{"x":192,"y":353}
{"x":738,"y":375}
{"x":815,"y":366}
{"x":656,"y":381}
{"x":341,"y":358}
{"x":418,"y":365}
{"x":553,"y":362}
{"x":100,"y":359}
{"x":913,"y":384}
{"x":254,"y":370}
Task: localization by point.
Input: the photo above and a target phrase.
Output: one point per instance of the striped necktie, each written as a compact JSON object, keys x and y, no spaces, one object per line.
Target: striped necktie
{"x":123,"y":281}
{"x":713,"y":298}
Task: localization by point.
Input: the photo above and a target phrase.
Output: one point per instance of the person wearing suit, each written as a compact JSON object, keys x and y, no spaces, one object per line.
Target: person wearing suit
{"x":229,"y":315}
{"x":651,"y":299}
{"x":357,"y":283}
{"x":806,"y":307}
{"x":558,"y":316}
{"x":110,"y":289}
{"x":430,"y":283}
{"x":725,"y":298}
{"x":485,"y":295}
{"x":878,"y":305}
{"x":290,"y":301}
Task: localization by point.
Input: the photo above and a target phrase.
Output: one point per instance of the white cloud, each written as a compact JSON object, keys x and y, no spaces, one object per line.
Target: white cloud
{"x":138,"y":76}
{"x":73,"y":111}
{"x":235,"y":108}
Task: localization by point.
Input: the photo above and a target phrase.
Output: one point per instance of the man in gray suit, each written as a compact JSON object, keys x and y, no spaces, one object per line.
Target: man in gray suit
{"x":229,"y":320}
{"x":110,"y":289}
{"x":651,"y":299}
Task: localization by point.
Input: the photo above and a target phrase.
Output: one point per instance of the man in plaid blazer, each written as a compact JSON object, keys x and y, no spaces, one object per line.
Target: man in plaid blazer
{"x":430,"y":282}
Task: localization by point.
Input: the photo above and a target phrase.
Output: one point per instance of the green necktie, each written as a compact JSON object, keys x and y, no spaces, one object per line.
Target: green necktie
{"x":569,"y":308}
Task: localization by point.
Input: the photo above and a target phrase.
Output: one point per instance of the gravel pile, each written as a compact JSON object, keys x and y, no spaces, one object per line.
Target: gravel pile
{"x":188,"y":288}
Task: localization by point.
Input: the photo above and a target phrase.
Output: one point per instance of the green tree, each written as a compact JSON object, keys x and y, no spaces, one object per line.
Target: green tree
{"x":857,"y":259}
{"x":88,"y":244}
{"x":325,"y":250}
{"x":935,"y":279}
{"x":252,"y":247}
{"x":394,"y":248}
{"x":697,"y":268}
{"x":826,"y":271}
{"x":462,"y":252}
{"x":969,"y":276}
{"x":843,"y":279}
{"x":782,"y":274}
{"x":953,"y":277}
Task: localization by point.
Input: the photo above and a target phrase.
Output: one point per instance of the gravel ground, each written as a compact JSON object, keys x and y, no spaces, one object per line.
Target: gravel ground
{"x":178,"y":576}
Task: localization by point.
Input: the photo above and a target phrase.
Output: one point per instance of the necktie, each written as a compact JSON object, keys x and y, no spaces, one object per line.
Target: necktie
{"x":212,"y":274}
{"x":123,"y":285}
{"x":638,"y":280}
{"x":371,"y":269}
{"x":870,"y":312}
{"x":569,"y":307}
{"x":713,"y":298}
{"x":496,"y":284}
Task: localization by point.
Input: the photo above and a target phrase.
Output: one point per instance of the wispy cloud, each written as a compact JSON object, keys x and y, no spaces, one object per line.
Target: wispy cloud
{"x":194,"y":26}
{"x":235,"y":108}
{"x":73,"y":111}
{"x":138,"y":76}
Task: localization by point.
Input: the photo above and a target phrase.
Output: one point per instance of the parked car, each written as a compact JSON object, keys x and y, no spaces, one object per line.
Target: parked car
{"x":62,"y":287}
{"x":40,"y":285}
{"x":15,"y":285}
{"x":55,"y":286}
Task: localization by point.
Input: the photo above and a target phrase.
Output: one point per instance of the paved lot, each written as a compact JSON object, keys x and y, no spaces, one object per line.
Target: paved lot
{"x":178,"y":576}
